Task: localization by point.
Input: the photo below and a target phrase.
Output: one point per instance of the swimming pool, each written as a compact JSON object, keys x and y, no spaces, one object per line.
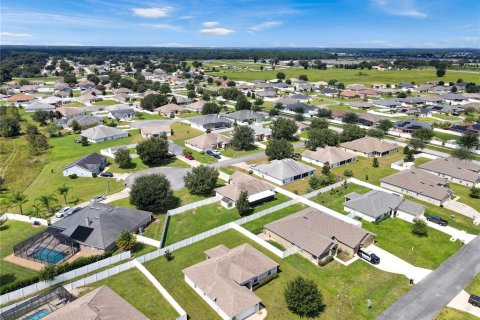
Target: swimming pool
{"x":38,"y":315}
{"x":48,"y":255}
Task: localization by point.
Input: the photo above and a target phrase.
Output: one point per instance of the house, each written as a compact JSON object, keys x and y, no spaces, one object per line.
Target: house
{"x":20,"y":98}
{"x":283,"y":171}
{"x":300,"y":97}
{"x":331,"y":92}
{"x":338,"y":114}
{"x":408,"y":126}
{"x":245,"y":116}
{"x":444,"y":108}
{"x":369,"y":119}
{"x":405,"y":86}
{"x":101,"y":303}
{"x":453,"y":98}
{"x":170,"y":110}
{"x":419,"y":184}
{"x":349,"y":94}
{"x":284,"y":101}
{"x":120,"y":112}
{"x":155,"y":131}
{"x":71,"y":112}
{"x":196,"y":106}
{"x":431,"y":99}
{"x":318,"y":235}
{"x":227,"y":278}
{"x":38,"y":106}
{"x":390,"y":104}
{"x":208,"y":141}
{"x":266,"y":94}
{"x":411,"y":101}
{"x":376,"y":205}
{"x":370,"y":147}
{"x":261,"y":133}
{"x":474,"y":127}
{"x":210,"y":121}
{"x":333,"y":155}
{"x":87,"y":166}
{"x":362,"y":105}
{"x":103,"y":133}
{"x":85,"y":121}
{"x":356,"y":87}
{"x":300,"y":107}
{"x":258,"y":191}
{"x":122,"y":91}
{"x":97,"y":226}
{"x":456,"y":170}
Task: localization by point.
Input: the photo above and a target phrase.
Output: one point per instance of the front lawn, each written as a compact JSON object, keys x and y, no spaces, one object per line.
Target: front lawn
{"x":11,"y":233}
{"x":182,"y":132}
{"x":474,"y":286}
{"x":463,"y":192}
{"x":231,"y":152}
{"x":345,"y":289}
{"x":105,"y":103}
{"x":138,"y":165}
{"x":201,"y":157}
{"x":335,"y":198}
{"x":201,"y":219}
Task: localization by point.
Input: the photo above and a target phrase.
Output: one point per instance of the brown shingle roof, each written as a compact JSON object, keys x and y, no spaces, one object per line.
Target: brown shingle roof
{"x":19,"y":97}
{"x":328,"y":154}
{"x":369,"y":145}
{"x":454,"y":167}
{"x":208,"y":140}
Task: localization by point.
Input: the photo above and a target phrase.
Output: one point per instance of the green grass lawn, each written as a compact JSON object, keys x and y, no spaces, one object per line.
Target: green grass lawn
{"x":11,"y":233}
{"x":463,"y":192}
{"x":334,"y":199}
{"x":345,"y":289}
{"x":256,"y":226}
{"x":232,"y":153}
{"x":75,"y":104}
{"x":154,"y":229}
{"x":46,"y":79}
{"x":134,"y":287}
{"x":138,"y":165}
{"x":419,"y":161}
{"x":148,"y":116}
{"x":188,"y":114}
{"x":445,"y":136}
{"x":446,"y":117}
{"x":105,"y":103}
{"x":201,"y":219}
{"x":474,"y":286}
{"x":454,"y":314}
{"x":182,"y":132}
{"x":201,"y":156}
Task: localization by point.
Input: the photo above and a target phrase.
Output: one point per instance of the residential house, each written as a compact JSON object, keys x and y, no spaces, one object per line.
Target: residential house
{"x":474,"y":127}
{"x":411,"y":101}
{"x":458,"y":171}
{"x":390,"y":104}
{"x":376,"y":205}
{"x":300,"y":107}
{"x":408,"y":126}
{"x":333,"y":155}
{"x":301,"y":97}
{"x":349,"y":94}
{"x":431,"y":99}
{"x":261,"y":133}
{"x":196,"y":106}
{"x":120,"y":112}
{"x":361,"y":105}
{"x":155,"y":131}
{"x":370,"y":147}
{"x":338,"y":114}
{"x":246,"y":116}
{"x":266,"y":94}
{"x":419,"y":184}
{"x":103,"y":133}
{"x":85,"y":121}
{"x":210,"y":121}
{"x":331,"y":92}
{"x":208,"y":141}
{"x":38,"y":106}
{"x":453,"y":98}
{"x":369,"y":119}
{"x":70,"y":112}
{"x":88,"y":166}
{"x":283,"y":171}
{"x":170,"y":110}
{"x":20,"y":99}
{"x":318,"y":235}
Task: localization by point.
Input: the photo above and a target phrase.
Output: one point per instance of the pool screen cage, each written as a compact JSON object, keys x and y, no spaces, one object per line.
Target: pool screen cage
{"x":50,"y":301}
{"x":53,"y":246}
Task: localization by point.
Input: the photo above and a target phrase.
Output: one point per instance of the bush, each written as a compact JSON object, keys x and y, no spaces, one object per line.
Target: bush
{"x":348,"y":173}
{"x":153,"y":193}
{"x":326,"y":261}
{"x":474,"y":193}
{"x":303,"y":297}
{"x":201,"y":180}
{"x":48,"y":273}
{"x":73,"y":176}
{"x":419,"y":228}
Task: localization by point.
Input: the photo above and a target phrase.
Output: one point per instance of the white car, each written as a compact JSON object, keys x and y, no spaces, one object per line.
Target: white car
{"x":64,"y":212}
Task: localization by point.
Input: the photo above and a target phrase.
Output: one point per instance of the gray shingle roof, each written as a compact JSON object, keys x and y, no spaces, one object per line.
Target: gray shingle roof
{"x":283,"y":169}
{"x":453,"y":167}
{"x":244,"y":115}
{"x":101,"y":131}
{"x":88,"y":162}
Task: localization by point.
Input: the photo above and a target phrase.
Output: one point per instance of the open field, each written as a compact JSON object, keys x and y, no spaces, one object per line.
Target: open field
{"x":339,"y":285}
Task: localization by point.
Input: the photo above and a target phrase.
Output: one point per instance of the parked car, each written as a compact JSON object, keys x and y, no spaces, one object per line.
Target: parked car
{"x":437,"y":220}
{"x":97,"y":199}
{"x":214,"y":154}
{"x":106,"y":174}
{"x":474,"y":300}
{"x":369,"y":256}
{"x":64,"y":212}
{"x":296,"y":155}
{"x":189,"y":156}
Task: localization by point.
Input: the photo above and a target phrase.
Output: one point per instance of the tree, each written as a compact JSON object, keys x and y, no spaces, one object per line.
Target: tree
{"x":48,"y":272}
{"x":243,"y":103}
{"x":47,"y":201}
{"x":375,"y":163}
{"x":319,"y":138}
{"x":242,"y":204}
{"x":303,"y":297}
{"x":211,"y":108}
{"x":318,"y":123}
{"x":350,"y":117}
{"x":76,"y":126}
{"x":352,"y":132}
{"x":469,"y":140}
{"x":474,"y":193}
{"x":326,"y":168}
{"x":243,"y":137}
{"x":279,"y":149}
{"x":9,"y":126}
{"x":84,"y":141}
{"x":53,"y":129}
{"x":63,"y":191}
{"x":123,"y":159}
{"x":385,"y":125}
{"x":421,"y":137}
{"x":153,"y":150}
{"x":284,"y":128}
{"x":324,"y":113}
{"x":19,"y":199}
{"x":201,"y":180}
{"x":303,"y":77}
{"x":314,"y":182}
{"x":463,"y":153}
{"x":419,"y":228}
{"x":280,"y":75}
{"x":126,"y":240}
{"x":153,"y":101}
{"x":441,"y":69}
{"x":153,"y":193}
{"x":409,"y":157}
{"x":37,"y":143}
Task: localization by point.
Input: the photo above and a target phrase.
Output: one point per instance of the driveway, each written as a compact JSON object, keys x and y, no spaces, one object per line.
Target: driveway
{"x":393,"y":264}
{"x":462,"y":208}
{"x":460,"y":302}
{"x":174,"y":175}
{"x":436,"y":290}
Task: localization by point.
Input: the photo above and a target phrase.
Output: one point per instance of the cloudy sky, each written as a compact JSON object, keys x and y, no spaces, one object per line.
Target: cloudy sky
{"x":245,"y":23}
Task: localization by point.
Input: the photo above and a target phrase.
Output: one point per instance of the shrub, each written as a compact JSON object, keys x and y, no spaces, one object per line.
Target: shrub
{"x":303,"y":297}
{"x":419,"y":228}
{"x":474,"y":193}
{"x":348,"y":173}
{"x":47,"y":273}
{"x":73,"y":176}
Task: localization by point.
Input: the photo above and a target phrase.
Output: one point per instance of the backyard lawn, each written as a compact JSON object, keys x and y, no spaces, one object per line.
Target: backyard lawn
{"x":201,"y":219}
{"x":142,"y":295}
{"x":11,"y":233}
{"x":256,"y":226}
{"x":182,"y":132}
{"x":339,"y":285}
{"x":335,"y":198}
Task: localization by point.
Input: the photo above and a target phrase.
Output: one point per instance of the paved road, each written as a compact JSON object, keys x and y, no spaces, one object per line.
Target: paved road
{"x":174,"y":175}
{"x":436,"y":290}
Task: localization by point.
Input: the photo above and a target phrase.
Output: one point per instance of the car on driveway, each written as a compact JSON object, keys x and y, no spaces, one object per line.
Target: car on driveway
{"x":369,"y":256}
{"x":189,"y":156}
{"x":64,"y":212}
{"x":296,"y":155}
{"x":474,"y":300}
{"x":213,"y":153}
{"x":97,"y":199}
{"x":437,"y":220}
{"x":106,"y":174}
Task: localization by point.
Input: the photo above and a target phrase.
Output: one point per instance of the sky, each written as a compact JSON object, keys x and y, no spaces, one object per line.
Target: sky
{"x":243,"y":23}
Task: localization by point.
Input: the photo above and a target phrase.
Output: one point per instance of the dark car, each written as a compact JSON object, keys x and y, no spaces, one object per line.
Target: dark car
{"x":296,"y":155}
{"x":106,"y":174}
{"x":437,"y":220}
{"x":213,"y":154}
{"x":474,"y":300}
{"x":369,"y":256}
{"x":189,"y":156}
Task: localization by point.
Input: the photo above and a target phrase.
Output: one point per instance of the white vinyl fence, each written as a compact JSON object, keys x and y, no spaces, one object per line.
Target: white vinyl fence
{"x":149,"y":241}
{"x":193,"y":205}
{"x":31,"y":289}
{"x":23,"y":218}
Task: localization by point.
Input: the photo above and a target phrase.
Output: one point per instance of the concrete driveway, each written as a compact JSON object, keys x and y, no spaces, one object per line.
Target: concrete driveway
{"x":460,"y":302}
{"x":462,"y":208}
{"x":174,"y":175}
{"x":393,"y":264}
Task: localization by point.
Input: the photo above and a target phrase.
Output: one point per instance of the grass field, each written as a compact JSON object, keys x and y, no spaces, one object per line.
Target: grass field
{"x":474,"y":286}
{"x":345,"y":289}
{"x":463,"y":192}
{"x":75,"y":104}
{"x":11,"y":233}
{"x":232,"y":153}
{"x":142,"y":295}
{"x":350,"y":75}
{"x":335,"y":200}
{"x":454,"y":314}
{"x":105,"y":103}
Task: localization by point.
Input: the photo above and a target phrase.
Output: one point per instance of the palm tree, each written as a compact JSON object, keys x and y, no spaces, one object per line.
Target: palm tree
{"x":36,"y":210}
{"x":47,"y":201}
{"x":126,"y":240}
{"x":63,"y":190}
{"x":18,"y":199}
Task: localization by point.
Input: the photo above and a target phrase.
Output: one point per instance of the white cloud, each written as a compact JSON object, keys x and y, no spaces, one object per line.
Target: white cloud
{"x":152,"y":12}
{"x":265,"y":26}
{"x":406,"y":8}
{"x":14,"y":35}
{"x":164,"y":26}
{"x":210,"y":24}
{"x":186,"y":17}
{"x":217,"y":31}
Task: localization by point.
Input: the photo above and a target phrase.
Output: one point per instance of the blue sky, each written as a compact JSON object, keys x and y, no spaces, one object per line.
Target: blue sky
{"x":246,"y":23}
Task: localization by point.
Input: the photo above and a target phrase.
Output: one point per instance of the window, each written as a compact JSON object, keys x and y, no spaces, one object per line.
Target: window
{"x":255,"y":280}
{"x":269,"y":273}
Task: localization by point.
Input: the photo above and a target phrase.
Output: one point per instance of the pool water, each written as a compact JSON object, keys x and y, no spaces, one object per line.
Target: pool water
{"x":38,"y":315}
{"x":48,"y":255}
